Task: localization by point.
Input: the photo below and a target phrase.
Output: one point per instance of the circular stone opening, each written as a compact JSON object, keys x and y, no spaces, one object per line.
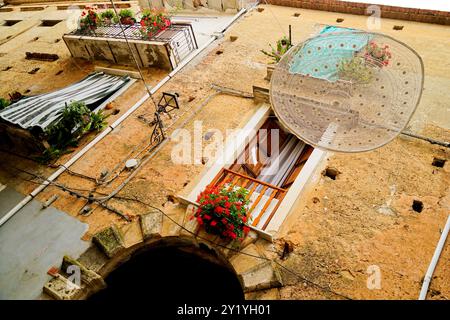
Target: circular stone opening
{"x":174,"y":273}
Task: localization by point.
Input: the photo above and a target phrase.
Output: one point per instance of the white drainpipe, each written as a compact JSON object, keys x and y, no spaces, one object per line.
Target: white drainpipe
{"x":104,"y":133}
{"x":434,"y":261}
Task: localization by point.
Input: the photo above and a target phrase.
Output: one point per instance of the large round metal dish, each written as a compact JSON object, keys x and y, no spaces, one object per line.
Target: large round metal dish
{"x":347,"y":91}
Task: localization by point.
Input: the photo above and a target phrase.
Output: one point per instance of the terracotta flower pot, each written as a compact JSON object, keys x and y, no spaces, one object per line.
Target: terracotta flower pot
{"x":127,"y":20}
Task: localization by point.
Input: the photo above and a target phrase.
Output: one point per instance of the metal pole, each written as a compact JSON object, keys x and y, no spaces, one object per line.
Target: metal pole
{"x":290,"y":35}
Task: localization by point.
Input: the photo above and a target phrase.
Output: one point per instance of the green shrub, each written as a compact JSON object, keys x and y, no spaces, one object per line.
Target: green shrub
{"x":126,"y":13}
{"x":108,"y":14}
{"x":355,"y":70}
{"x":283,"y":45}
{"x":98,"y":121}
{"x":76,"y":120}
{"x":4,"y":103}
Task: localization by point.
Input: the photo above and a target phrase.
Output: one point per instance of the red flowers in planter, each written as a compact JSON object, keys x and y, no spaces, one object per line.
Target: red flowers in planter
{"x":89,"y":19}
{"x":223,"y":211}
{"x":153,"y":22}
{"x":378,"y":54}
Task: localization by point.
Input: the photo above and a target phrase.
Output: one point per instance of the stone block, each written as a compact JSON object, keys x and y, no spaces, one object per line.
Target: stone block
{"x":88,"y":277}
{"x":248,"y":259}
{"x":151,"y":224}
{"x":262,"y":277}
{"x":109,"y":241}
{"x":61,"y":288}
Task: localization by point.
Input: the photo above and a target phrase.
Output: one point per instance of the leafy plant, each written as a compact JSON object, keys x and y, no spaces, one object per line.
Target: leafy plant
{"x":283,"y":45}
{"x":126,"y":13}
{"x":126,"y":16}
{"x":108,"y":14}
{"x":355,"y":70}
{"x":4,"y":103}
{"x":223,"y":211}
{"x":50,"y":154}
{"x":74,"y":121}
{"x":98,"y":121}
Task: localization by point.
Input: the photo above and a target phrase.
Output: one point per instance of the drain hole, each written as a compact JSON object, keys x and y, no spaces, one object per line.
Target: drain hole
{"x":438,"y":162}
{"x":219,"y":51}
{"x":35,"y":39}
{"x":260,"y":9}
{"x":7,"y":68}
{"x":27,"y":91}
{"x":57,"y":40}
{"x":339,"y":20}
{"x":115,"y":111}
{"x":331,"y":173}
{"x":49,"y":23}
{"x":58,"y":73}
{"x":398,"y":28}
{"x":297,"y":14}
{"x":34,"y":71}
{"x":10,"y":23}
{"x":417,"y":206}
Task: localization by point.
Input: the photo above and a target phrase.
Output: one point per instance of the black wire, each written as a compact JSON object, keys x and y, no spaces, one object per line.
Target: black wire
{"x":72,"y":190}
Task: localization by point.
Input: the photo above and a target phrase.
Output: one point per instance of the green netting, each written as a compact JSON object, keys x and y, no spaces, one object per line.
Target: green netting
{"x":321,"y":56}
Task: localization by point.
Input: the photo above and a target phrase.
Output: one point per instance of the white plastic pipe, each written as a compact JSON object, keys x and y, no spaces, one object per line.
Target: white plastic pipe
{"x":105,"y":132}
{"x":434,"y":261}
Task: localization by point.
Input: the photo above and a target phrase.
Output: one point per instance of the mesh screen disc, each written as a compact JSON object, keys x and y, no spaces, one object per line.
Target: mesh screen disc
{"x":347,"y":91}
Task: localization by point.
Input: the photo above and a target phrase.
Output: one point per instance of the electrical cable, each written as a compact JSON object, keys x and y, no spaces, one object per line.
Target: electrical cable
{"x":73,"y":192}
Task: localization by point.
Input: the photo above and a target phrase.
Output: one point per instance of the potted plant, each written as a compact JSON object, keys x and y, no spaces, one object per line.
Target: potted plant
{"x":283,"y":45}
{"x":153,"y":22}
{"x":223,"y":211}
{"x":126,"y":16}
{"x":107,"y":17}
{"x":89,"y":19}
{"x":379,"y":55}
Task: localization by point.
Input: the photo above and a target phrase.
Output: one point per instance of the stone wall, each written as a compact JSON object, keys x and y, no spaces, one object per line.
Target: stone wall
{"x":392,"y":12}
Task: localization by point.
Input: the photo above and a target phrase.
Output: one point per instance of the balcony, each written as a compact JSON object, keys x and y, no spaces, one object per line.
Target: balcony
{"x":165,"y":50}
{"x":264,"y":198}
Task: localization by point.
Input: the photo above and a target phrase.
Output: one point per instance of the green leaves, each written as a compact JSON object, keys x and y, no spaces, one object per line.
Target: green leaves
{"x":355,"y":70}
{"x":98,"y":121}
{"x":4,"y":103}
{"x":283,"y":45}
{"x":76,"y":120}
